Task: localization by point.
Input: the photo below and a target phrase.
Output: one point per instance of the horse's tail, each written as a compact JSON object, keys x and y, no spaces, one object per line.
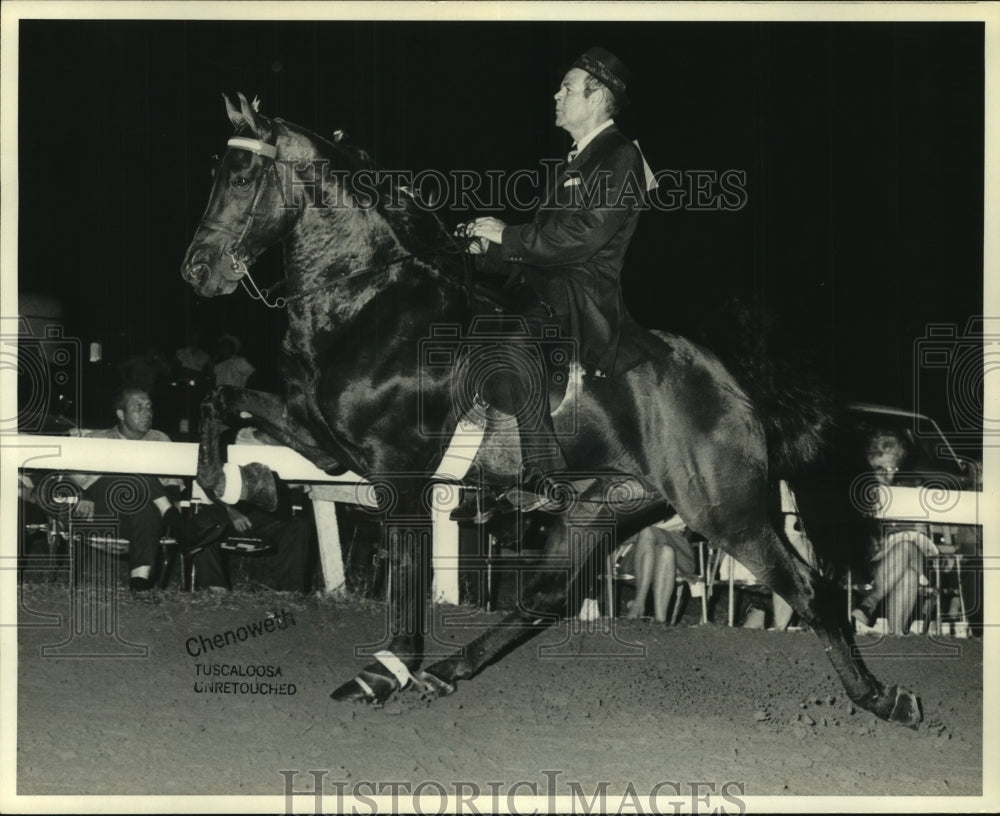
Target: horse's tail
{"x":835,"y":499}
{"x":816,"y":448}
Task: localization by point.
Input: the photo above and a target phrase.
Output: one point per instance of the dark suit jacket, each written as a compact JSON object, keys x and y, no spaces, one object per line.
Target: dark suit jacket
{"x":573,"y":250}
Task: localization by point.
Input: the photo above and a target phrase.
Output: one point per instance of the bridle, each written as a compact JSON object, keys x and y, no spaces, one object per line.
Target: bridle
{"x":238,"y":254}
{"x":239,"y":271}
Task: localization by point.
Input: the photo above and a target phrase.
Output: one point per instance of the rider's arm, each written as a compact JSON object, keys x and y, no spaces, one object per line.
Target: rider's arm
{"x":572,"y":234}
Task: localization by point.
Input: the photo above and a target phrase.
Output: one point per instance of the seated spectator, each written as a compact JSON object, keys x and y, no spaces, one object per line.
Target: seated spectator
{"x":897,"y":557}
{"x":898,"y":563}
{"x":143,"y":522}
{"x":656,"y":555}
{"x":290,"y":538}
{"x":230,"y":368}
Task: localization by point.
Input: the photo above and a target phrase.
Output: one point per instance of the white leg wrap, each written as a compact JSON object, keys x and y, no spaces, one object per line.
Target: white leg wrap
{"x":395,"y":665}
{"x":367,"y":689}
{"x":234,"y":483}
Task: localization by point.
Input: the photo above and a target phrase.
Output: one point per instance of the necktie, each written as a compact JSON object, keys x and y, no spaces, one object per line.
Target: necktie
{"x":572,"y":155}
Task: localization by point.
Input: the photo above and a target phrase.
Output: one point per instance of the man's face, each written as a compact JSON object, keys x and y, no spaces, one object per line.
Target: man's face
{"x":572,"y":107}
{"x":136,"y":418}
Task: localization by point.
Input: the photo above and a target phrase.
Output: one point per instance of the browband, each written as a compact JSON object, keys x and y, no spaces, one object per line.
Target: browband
{"x":254,"y":146}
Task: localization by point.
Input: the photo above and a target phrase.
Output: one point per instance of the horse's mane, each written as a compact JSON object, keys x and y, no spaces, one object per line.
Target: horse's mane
{"x":418,"y":229}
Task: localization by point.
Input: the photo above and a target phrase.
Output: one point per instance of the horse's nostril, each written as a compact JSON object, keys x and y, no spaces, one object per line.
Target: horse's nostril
{"x":197,"y":273}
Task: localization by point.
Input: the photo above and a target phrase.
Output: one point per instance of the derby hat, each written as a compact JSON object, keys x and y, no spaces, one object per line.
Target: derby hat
{"x":605,"y":66}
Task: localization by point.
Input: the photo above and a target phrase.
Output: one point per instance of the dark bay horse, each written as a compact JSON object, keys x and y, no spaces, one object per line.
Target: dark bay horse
{"x":369,"y":278}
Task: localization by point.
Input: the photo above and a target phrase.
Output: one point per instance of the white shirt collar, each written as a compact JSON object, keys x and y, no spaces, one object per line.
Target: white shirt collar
{"x":586,"y":140}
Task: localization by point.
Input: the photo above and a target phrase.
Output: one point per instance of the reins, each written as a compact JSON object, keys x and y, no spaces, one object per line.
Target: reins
{"x":280,"y":302}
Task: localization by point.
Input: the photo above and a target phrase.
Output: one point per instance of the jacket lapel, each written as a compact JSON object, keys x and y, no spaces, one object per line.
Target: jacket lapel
{"x":578,"y":164}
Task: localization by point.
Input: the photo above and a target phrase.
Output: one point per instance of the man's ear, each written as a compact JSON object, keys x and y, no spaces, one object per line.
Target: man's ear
{"x":120,"y":414}
{"x":606,"y":98}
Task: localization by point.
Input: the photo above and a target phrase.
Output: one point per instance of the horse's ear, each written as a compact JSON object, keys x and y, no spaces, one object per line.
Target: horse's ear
{"x":250,"y":115}
{"x":234,"y":115}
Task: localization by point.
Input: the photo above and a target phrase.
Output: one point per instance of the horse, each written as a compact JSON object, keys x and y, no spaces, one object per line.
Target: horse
{"x":368,"y":279}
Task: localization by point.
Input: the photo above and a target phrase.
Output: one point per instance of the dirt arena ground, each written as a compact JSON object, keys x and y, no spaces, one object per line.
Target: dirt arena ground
{"x":747,"y":712}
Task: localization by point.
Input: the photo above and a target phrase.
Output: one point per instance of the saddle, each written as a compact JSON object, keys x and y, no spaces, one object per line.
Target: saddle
{"x":492,"y":299}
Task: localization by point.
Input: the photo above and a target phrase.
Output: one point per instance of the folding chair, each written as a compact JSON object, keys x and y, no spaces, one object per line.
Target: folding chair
{"x":945,"y":561}
{"x":697,"y":585}
{"x":736,"y":576}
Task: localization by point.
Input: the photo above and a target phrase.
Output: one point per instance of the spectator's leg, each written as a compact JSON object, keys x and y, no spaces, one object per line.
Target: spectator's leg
{"x":782,"y":612}
{"x":210,"y":568}
{"x":896,"y":580}
{"x":644,"y":558}
{"x":142,"y":528}
{"x":902,"y":600}
{"x":291,"y":561}
{"x":141,"y":525}
{"x":666,"y":578}
{"x":290,"y":539}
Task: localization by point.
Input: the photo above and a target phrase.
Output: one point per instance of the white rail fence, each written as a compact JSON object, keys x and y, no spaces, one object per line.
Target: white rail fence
{"x":82,"y":454}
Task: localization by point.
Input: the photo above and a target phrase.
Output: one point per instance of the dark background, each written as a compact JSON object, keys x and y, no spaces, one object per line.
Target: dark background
{"x":862,"y":145}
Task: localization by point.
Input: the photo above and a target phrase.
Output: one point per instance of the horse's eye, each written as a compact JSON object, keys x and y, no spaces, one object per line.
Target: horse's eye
{"x":241,"y":182}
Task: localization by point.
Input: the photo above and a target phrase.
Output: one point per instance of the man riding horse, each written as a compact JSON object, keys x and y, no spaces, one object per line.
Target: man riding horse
{"x":366,"y":289}
{"x":565,"y":265}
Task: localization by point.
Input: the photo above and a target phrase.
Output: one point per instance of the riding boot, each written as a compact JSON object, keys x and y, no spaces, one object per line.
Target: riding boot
{"x":541,"y":465}
{"x":477,"y":506}
{"x":544,"y":459}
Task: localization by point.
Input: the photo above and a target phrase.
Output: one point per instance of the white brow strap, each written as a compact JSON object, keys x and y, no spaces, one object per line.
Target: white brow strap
{"x":254,"y":146}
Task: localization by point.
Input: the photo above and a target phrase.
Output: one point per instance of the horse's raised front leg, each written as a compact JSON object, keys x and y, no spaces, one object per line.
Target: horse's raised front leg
{"x":821,"y":604}
{"x":254,"y":483}
{"x":210,"y":475}
{"x":407,"y":532}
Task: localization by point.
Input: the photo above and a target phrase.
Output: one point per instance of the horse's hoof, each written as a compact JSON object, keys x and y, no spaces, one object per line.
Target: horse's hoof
{"x":906,"y":707}
{"x":431,"y":687}
{"x":367,"y":687}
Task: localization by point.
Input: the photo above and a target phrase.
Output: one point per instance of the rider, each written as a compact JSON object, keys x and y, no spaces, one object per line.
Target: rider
{"x":565,"y":264}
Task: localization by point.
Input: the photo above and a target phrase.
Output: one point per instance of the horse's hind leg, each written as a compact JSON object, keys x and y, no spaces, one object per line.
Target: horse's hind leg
{"x":543,"y":601}
{"x":822,"y":605}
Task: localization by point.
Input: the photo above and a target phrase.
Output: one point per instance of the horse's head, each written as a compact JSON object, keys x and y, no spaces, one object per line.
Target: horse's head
{"x":245,"y":215}
{"x":338,"y":218}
